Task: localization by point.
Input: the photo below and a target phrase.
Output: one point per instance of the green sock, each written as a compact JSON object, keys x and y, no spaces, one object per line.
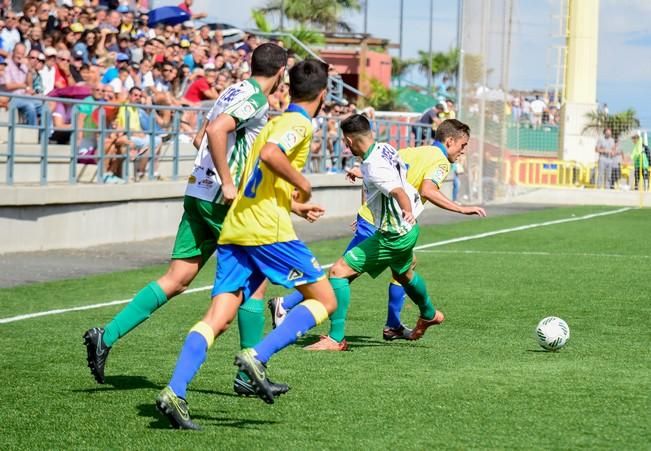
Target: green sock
{"x":417,"y":292}
{"x":146,"y":302}
{"x":341,"y":288}
{"x":250,"y":319}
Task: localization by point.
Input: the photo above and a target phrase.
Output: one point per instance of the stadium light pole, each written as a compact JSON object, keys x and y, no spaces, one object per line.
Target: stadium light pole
{"x":365,"y":16}
{"x":402,"y":8}
{"x":282,"y":15}
{"x":429,"y":72}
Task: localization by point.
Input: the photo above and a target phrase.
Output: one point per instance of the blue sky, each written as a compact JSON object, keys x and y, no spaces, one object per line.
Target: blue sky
{"x":624,"y":71}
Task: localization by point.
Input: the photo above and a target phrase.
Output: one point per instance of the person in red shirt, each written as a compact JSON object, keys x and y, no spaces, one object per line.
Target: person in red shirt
{"x":202,"y":88}
{"x":185,"y":6}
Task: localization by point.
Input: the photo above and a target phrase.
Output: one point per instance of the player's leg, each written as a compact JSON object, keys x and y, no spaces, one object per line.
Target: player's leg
{"x":250,"y":319}
{"x":194,"y":245}
{"x":363,"y":257}
{"x":171,"y":400}
{"x":393,"y":328}
{"x":280,"y":306}
{"x":289,"y":264}
{"x":412,"y":282}
{"x":232,"y":284}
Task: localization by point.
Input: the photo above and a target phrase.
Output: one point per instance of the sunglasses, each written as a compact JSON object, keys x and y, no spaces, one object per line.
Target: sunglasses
{"x":63,"y":59}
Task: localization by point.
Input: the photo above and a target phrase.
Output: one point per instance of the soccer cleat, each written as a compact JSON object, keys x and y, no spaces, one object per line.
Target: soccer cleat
{"x":243,"y":387}
{"x":247,"y":362}
{"x":97,"y":352}
{"x":396,"y":333}
{"x":422,"y":324}
{"x":327,"y":343}
{"x":277,"y":310}
{"x":175,"y":409}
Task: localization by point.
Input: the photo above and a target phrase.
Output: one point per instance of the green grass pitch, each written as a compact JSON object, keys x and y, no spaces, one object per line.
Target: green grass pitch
{"x":477,"y":381}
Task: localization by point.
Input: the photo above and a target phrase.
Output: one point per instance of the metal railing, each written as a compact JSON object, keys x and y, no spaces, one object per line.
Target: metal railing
{"x":328,"y":152}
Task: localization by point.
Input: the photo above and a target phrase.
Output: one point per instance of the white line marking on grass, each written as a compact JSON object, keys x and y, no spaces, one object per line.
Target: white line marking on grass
{"x":12,"y":319}
{"x":520,"y":228}
{"x":537,"y":253}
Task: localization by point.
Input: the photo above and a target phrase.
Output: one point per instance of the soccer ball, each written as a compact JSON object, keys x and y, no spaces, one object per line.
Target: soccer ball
{"x":552,"y":333}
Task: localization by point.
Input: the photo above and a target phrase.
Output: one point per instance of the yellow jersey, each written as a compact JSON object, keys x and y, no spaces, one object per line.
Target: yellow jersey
{"x":425,"y":162}
{"x":261,"y":211}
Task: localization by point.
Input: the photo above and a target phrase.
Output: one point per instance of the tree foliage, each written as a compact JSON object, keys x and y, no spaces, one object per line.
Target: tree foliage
{"x":304,"y":35}
{"x":443,"y":63}
{"x":323,"y":14}
{"x":382,"y":98}
{"x":618,"y":123}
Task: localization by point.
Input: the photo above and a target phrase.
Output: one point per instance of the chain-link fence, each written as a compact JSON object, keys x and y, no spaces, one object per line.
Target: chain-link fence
{"x":516,"y":142}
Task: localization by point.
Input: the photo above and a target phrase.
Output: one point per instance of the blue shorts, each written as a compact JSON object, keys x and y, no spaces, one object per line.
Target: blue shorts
{"x":364,"y":230}
{"x":289,"y":264}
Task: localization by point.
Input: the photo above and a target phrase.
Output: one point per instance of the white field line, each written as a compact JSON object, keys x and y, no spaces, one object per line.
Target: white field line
{"x":12,"y":319}
{"x":535,"y":253}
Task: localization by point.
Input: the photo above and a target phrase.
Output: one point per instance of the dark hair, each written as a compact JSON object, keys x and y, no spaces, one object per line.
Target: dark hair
{"x":307,"y":79}
{"x":133,"y":89}
{"x":267,"y":60}
{"x":356,"y":124}
{"x":451,"y":128}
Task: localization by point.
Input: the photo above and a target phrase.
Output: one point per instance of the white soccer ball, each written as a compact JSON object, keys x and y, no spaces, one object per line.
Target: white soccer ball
{"x":552,"y":333}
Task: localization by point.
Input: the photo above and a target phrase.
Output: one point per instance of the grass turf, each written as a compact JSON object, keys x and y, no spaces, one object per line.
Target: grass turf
{"x":477,"y":381}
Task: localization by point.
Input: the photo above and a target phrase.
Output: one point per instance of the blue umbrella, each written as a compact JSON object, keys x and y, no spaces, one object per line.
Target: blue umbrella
{"x":168,"y":15}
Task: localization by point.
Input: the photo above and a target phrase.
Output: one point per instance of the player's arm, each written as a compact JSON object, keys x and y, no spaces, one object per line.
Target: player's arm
{"x":311,"y":212}
{"x":383,"y":175}
{"x":400,"y":195}
{"x":217,"y":131}
{"x":276,"y":160}
{"x":430,"y":191}
{"x":196,"y":142}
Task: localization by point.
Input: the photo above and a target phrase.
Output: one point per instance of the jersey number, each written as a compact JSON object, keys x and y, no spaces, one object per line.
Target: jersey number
{"x":251,"y":188}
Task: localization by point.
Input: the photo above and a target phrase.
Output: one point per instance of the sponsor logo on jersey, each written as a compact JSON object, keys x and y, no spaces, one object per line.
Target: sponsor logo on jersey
{"x":245,"y":111}
{"x":289,"y":140}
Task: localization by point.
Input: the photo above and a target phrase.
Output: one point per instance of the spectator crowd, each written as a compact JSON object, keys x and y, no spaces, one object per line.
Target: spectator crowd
{"x":109,"y":51}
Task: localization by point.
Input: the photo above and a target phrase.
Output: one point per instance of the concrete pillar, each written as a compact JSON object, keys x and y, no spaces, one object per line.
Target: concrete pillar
{"x":580,"y":87}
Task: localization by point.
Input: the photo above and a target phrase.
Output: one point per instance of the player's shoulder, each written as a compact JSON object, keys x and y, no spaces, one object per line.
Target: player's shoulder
{"x":293,"y":121}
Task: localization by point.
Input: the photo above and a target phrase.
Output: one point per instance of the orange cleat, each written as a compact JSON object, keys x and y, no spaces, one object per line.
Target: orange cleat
{"x":326,"y":343}
{"x":422,"y":324}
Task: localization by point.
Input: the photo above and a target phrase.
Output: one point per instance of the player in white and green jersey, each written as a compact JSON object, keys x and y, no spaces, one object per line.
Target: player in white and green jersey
{"x":394,"y":205}
{"x":235,"y":120}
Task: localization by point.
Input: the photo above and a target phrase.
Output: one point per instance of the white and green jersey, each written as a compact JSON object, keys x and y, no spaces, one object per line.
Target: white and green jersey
{"x":384,"y":171}
{"x":247,"y":104}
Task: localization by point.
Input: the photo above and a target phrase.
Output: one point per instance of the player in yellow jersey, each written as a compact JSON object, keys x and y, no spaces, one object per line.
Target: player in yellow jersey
{"x":427,"y":168}
{"x":258,"y":241}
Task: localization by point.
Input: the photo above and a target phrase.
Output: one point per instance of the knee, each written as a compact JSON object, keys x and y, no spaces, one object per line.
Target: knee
{"x":338,"y":270}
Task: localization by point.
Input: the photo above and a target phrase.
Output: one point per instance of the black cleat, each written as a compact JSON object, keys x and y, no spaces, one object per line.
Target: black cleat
{"x":396,"y":333}
{"x":175,"y":409}
{"x":255,"y":369}
{"x":97,"y":352}
{"x":243,"y":387}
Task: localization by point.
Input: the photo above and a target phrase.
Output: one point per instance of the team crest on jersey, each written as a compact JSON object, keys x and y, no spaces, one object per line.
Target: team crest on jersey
{"x":300,"y":130}
{"x":192,"y":180}
{"x":294,"y":274}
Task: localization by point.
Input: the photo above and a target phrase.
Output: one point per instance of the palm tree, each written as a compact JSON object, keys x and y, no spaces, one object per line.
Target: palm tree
{"x":443,"y":63}
{"x":400,"y":66}
{"x":619,"y":123}
{"x":325,"y":14}
{"x":306,"y":36}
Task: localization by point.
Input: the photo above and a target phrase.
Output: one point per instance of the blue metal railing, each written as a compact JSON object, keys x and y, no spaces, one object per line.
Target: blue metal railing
{"x":327,"y":154}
